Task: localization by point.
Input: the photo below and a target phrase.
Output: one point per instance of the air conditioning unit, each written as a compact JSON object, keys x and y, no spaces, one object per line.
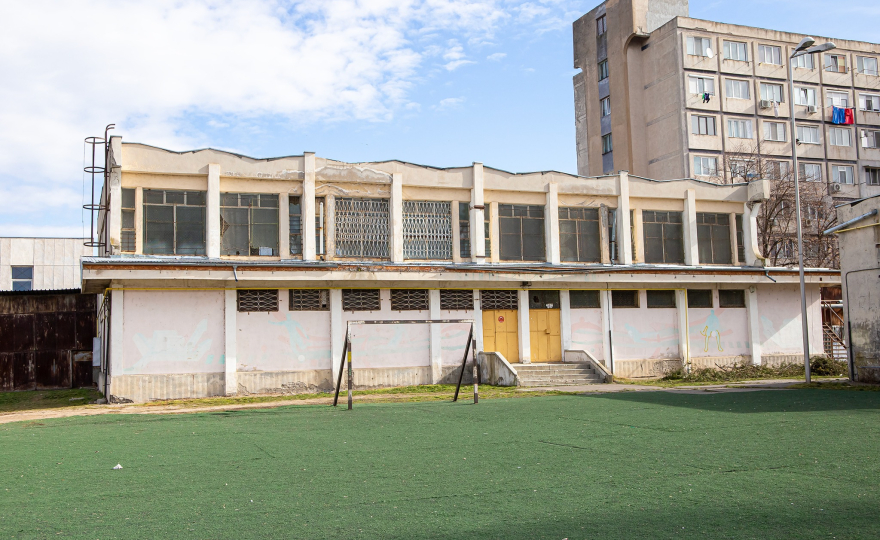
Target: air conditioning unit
{"x":812,"y":109}
{"x":835,"y":188}
{"x":766,"y":104}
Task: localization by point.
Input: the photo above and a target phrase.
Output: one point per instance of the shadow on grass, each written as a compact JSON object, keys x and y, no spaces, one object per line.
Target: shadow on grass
{"x":28,"y":400}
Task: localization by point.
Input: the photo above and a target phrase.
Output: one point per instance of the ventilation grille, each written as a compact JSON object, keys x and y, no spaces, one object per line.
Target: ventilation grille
{"x":498,"y":300}
{"x":362,"y":228}
{"x":253,"y":300}
{"x":427,"y":230}
{"x":409,"y":299}
{"x":457,"y":299}
{"x":309,"y":300}
{"x":361,"y":300}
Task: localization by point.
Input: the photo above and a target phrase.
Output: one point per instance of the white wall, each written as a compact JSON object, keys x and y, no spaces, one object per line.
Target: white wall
{"x":55,"y":261}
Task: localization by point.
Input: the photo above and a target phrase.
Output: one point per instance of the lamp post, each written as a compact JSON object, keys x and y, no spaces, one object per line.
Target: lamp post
{"x":804,"y":47}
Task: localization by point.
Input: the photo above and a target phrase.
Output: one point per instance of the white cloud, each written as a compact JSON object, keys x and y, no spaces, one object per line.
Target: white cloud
{"x":496,"y":56}
{"x":449,"y":103}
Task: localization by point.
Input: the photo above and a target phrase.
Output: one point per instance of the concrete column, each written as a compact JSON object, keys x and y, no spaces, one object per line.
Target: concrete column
{"x":436,"y":356}
{"x":212,"y":212}
{"x":624,"y":243}
{"x":754,"y":322}
{"x":689,"y":223}
{"x":551,"y":224}
{"x":565,"y":320}
{"x":330,"y":229}
{"x":307,"y":203}
{"x":684,"y":347}
{"x":456,"y":234}
{"x":522,"y":327}
{"x":734,"y":252}
{"x":604,"y":251}
{"x":284,"y":225}
{"x":607,"y":325}
{"x":397,"y":217}
{"x":231,"y":340}
{"x":478,"y":320}
{"x":478,"y":240}
{"x":638,"y":235}
{"x":494,"y":233}
{"x":117,"y":301}
{"x":139,"y":220}
{"x":114,"y":224}
{"x":337,"y":332}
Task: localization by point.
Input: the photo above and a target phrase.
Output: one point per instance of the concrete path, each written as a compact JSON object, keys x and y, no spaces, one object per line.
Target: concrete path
{"x":745,"y":386}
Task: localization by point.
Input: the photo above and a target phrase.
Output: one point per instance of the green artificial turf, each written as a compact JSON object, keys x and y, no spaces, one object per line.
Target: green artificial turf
{"x":763,"y":464}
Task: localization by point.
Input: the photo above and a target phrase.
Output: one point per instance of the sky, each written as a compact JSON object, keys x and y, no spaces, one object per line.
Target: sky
{"x":435,"y":82}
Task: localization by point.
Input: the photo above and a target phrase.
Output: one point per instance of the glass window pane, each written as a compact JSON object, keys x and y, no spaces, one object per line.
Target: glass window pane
{"x":195,"y":198}
{"x":154,"y":196}
{"x":174,"y":197}
{"x":190,"y":230}
{"x":661,"y":299}
{"x":268,"y":201}
{"x":158,"y":229}
{"x":229,"y":199}
{"x":234,"y":231}
{"x":22,"y":272}
{"x":583,"y":299}
{"x":127,"y":198}
{"x":699,"y":298}
{"x":128,"y":219}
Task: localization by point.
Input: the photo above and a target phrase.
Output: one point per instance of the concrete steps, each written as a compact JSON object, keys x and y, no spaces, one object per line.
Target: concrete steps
{"x":556,"y":374}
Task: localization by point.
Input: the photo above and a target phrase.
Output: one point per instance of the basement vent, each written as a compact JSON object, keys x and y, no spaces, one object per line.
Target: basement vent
{"x":498,"y":300}
{"x":257,"y":300}
{"x":309,"y":300}
{"x":583,"y":299}
{"x":360,"y":300}
{"x":457,"y":299}
{"x":409,"y":299}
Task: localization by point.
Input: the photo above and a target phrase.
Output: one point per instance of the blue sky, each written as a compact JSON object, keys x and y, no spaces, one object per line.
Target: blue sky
{"x":438,"y":82}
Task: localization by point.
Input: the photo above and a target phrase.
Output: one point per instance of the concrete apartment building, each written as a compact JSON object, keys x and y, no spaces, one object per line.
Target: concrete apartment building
{"x":662,"y":95}
{"x":41,"y":263}
{"x":225,"y":274}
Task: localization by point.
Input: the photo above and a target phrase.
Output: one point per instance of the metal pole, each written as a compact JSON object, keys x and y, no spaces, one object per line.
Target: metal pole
{"x":476,"y":376}
{"x":800,"y":234}
{"x":350,"y":377}
{"x":467,"y":349}
{"x":341,"y":367}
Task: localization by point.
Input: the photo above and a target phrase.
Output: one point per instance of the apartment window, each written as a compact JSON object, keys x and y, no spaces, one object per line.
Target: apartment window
{"x":804,"y":61}
{"x":174,"y":222}
{"x":805,"y":96}
{"x":808,"y":134}
{"x":837,"y":99}
{"x":492,"y":300}
{"x":731,"y":298}
{"x":872,"y":176}
{"x":660,"y":299}
{"x":579,"y":234}
{"x":361,"y":300}
{"x":703,"y":125}
{"x":625,"y":299}
{"x":699,"y":46}
{"x":522,"y":232}
{"x":605,"y":106}
{"x":736,"y":88}
{"x":309,"y":300}
{"x":606,"y":144}
{"x":869,"y":102}
{"x":769,"y":54}
{"x":739,"y":129}
{"x":866,"y":65}
{"x":774,"y":131}
{"x":603,"y":70}
{"x":362,"y":228}
{"x":713,"y":238}
{"x":843,"y":174}
{"x":601,"y":27}
{"x":427,"y":230}
{"x":457,"y":299}
{"x":705,"y":166}
{"x":663,"y":237}
{"x":777,"y":169}
{"x":839,"y":137}
{"x":811,"y":172}
{"x":583,"y":299}
{"x":409,"y":299}
{"x":771,"y":92}
{"x":464,"y":230}
{"x":255,"y":300}
{"x":835,"y":63}
{"x":870,"y":138}
{"x":249,"y":224}
{"x":742,"y":168}
{"x":740,"y":240}
{"x":735,"y":50}
{"x":22,"y":278}
{"x":699,"y":298}
{"x":127,"y":238}
{"x":701,"y":85}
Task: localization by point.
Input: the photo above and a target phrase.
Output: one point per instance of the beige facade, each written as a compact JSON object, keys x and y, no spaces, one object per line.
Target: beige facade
{"x":656,"y":70}
{"x":41,"y":263}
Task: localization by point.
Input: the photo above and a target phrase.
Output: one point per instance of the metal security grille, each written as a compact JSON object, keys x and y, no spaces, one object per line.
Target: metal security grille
{"x":583,"y":299}
{"x":127,"y":238}
{"x":457,"y":299}
{"x":257,"y":300}
{"x":362,"y":228}
{"x":409,"y":299}
{"x":427,"y":230}
{"x":361,"y":300}
{"x":713,"y":238}
{"x":498,"y":300}
{"x":309,"y":300}
{"x":464,"y":230}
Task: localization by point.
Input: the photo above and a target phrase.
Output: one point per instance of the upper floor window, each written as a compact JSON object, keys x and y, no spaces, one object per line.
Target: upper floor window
{"x":699,"y":46}
{"x":736,"y":88}
{"x":835,"y":63}
{"x":713,"y":238}
{"x":579,"y":234}
{"x":837,"y":99}
{"x":663,"y":237}
{"x":295,"y":219}
{"x":739,"y":129}
{"x":869,"y":102}
{"x":808,"y":134}
{"x":703,"y":125}
{"x":804,"y":61}
{"x":522,"y":232}
{"x":705,"y":166}
{"x":605,"y":106}
{"x":128,"y":235}
{"x":362,"y":228}
{"x":427,"y":230}
{"x":866,"y":65}
{"x":249,"y":224}
{"x":872,"y":176}
{"x":464,"y":230}
{"x":743,"y":168}
{"x":603,"y":70}
{"x":606,"y":144}
{"x":22,"y":278}
{"x":174,"y":222}
{"x":843,"y":174}
{"x":839,"y":137}
{"x":601,"y":27}
{"x":735,"y":50}
{"x":701,"y":85}
{"x":777,"y":170}
{"x":770,"y":54}
{"x":811,"y":172}
{"x":870,"y":138}
{"x":805,"y":96}
{"x":774,"y":131}
{"x":771,"y":92}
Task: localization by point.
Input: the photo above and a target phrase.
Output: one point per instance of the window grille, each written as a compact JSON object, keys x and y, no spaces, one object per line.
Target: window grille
{"x":249,"y":224}
{"x":452,"y":299}
{"x":257,"y":300}
{"x":583,"y":299}
{"x":464,"y":230}
{"x":127,"y":237}
{"x":663,"y":237}
{"x":309,"y":300}
{"x":543,"y":299}
{"x":409,"y":299}
{"x":740,"y":240}
{"x":362,"y":228}
{"x":427,"y":230}
{"x":734,"y":298}
{"x":661,"y":299}
{"x":713,"y":238}
{"x":174,"y":222}
{"x":625,"y":299}
{"x":522,"y":232}
{"x":498,"y":300}
{"x":361,"y":300}
{"x":579,"y":234}
{"x":699,"y":298}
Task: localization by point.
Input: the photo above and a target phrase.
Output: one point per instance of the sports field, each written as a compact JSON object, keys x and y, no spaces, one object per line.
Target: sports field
{"x":763,"y":464}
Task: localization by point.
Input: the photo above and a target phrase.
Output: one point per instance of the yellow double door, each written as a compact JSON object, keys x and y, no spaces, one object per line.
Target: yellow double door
{"x":500,"y":334}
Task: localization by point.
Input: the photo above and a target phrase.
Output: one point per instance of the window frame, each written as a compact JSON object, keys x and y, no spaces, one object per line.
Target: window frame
{"x":700,"y":80}
{"x":714,"y":170}
{"x":254,"y":227}
{"x":805,"y":96}
{"x":837,"y":169}
{"x":835,"y":63}
{"x":726,"y":302}
{"x":347,"y":300}
{"x":775,"y":56}
{"x":24,"y":281}
{"x":410,"y":300}
{"x":694,"y":297}
{"x":603,"y":70}
{"x":733,"y":89}
{"x":841,"y":98}
{"x":808,"y":128}
{"x":583,"y":299}
{"x":708,"y":241}
{"x":705,"y":44}
{"x":739,"y":128}
{"x":700,"y":121}
{"x":521,"y":213}
{"x":770,"y":127}
{"x":605,"y":106}
{"x":839,"y":137}
{"x":376,"y":246}
{"x":741,"y":47}
{"x":618,"y":294}
{"x":860,"y":65}
{"x":175,"y":233}
{"x":269,"y":304}
{"x":809,"y":177}
{"x":607,"y":144}
{"x":802,"y":59}
{"x":865,"y":98}
{"x":587,"y":248}
{"x":298,"y":297}
{"x":666,"y":225}
{"x":872,"y":176}
{"x":777,"y":89}
{"x":659,"y":299}
{"x":427,"y":233}
{"x":601,"y":25}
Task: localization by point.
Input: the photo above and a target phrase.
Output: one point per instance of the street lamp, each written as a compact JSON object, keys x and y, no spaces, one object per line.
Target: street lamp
{"x":804,"y":47}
